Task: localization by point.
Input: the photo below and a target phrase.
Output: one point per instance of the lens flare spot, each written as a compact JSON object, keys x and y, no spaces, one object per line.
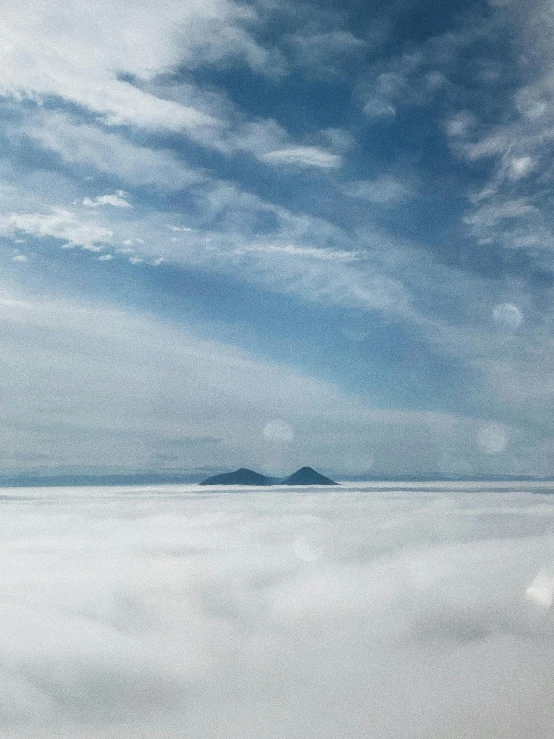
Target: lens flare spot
{"x":541,"y":590}
{"x":278,"y":431}
{"x":492,"y":439}
{"x":304,"y":550}
{"x":507,"y":316}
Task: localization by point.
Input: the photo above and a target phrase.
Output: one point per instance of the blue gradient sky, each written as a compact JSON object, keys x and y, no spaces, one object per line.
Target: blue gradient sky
{"x":272,"y":235}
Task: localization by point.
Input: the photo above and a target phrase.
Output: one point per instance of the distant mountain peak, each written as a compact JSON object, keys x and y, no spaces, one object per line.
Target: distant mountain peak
{"x":244,"y":476}
{"x":308,"y":476}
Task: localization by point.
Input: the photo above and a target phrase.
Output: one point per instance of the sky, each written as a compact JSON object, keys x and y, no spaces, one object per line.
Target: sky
{"x":275,"y":234}
{"x":164,"y":612}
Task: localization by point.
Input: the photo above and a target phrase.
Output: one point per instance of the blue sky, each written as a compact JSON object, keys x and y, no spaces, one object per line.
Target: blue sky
{"x":277,"y":234}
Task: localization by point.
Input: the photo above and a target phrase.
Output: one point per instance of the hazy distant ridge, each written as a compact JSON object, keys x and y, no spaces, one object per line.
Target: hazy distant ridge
{"x":243,"y":476}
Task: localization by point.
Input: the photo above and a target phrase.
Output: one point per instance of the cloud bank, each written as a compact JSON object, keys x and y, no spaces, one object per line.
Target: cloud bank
{"x":358,"y":613}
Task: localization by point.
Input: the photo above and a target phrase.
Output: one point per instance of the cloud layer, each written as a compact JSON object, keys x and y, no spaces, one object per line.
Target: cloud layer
{"x":357,"y":613}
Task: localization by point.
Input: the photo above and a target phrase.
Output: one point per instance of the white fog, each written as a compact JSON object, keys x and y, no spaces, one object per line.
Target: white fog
{"x":372,"y":611}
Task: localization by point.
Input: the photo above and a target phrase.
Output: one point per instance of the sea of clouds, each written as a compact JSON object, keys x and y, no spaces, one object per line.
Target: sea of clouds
{"x":368,"y":611}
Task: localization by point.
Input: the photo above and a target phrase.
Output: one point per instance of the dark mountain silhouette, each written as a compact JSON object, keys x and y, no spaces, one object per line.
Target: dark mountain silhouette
{"x":239,"y":477}
{"x":303,"y":476}
{"x":307,"y":476}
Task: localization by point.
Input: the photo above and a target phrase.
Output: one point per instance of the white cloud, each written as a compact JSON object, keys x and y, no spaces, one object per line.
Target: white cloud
{"x":489,"y":146}
{"x":99,"y":148}
{"x":325,"y":53}
{"x":315,"y":261}
{"x":171,"y":612}
{"x":303,"y":156}
{"x":146,"y":382}
{"x":81,"y":52}
{"x":339,"y":139}
{"x":384,"y":190}
{"x":375,"y":108}
{"x":292,"y":250}
{"x":460,"y":124}
{"x":411,"y":78}
{"x":236,"y":132}
{"x":519,"y":150}
{"x":306,"y":256}
{"x":59,"y":224}
{"x":296,"y":260}
{"x":91,"y":66}
{"x":117,"y":200}
{"x":92,"y":147}
{"x":491,"y":212}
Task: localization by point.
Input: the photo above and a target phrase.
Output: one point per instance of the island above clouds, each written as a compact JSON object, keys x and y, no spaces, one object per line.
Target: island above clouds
{"x":243,"y":476}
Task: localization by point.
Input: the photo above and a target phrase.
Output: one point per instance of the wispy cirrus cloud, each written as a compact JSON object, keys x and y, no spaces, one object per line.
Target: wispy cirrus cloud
{"x":248,"y":159}
{"x":94,"y":149}
{"x":59,"y":224}
{"x":143,"y":381}
{"x":303,"y":156}
{"x":81,"y":53}
{"x":120,"y":85}
{"x":512,"y":207}
{"x":325,"y":53}
{"x":302,"y":251}
{"x":117,"y":200}
{"x":384,"y":190}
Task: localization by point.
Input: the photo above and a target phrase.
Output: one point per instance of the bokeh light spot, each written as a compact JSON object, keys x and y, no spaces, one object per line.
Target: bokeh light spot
{"x":278,"y":431}
{"x":507,"y":316}
{"x":492,"y":439}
